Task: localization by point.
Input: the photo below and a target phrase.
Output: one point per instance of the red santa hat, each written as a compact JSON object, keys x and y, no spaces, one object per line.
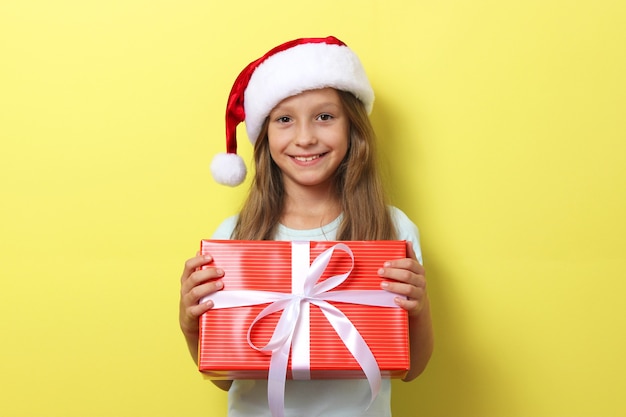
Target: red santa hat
{"x":288,"y":69}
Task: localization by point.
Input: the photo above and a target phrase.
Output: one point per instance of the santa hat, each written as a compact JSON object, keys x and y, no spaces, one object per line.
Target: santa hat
{"x":288,"y":69}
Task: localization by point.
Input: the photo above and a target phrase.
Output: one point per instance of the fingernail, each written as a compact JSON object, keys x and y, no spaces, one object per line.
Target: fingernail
{"x":208,"y":257}
{"x":219,"y":285}
{"x":384,"y":284}
{"x":387,"y":264}
{"x":219,"y":272}
{"x":381,"y":271}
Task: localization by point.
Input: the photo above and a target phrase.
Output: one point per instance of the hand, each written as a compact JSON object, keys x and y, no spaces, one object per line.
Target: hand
{"x":406,"y":277}
{"x":196,"y":283}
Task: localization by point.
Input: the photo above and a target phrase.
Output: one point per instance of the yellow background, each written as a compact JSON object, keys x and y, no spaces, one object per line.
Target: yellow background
{"x":502,"y":126}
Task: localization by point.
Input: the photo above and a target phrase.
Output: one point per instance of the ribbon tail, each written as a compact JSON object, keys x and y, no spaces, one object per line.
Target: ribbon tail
{"x":276,"y":379}
{"x":280,"y":346}
{"x":356,"y":345}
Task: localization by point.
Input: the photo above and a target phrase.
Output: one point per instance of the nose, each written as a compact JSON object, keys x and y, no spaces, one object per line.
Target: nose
{"x":305,"y":134}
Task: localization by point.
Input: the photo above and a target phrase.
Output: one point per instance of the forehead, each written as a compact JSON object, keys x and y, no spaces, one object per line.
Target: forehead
{"x":312,"y":97}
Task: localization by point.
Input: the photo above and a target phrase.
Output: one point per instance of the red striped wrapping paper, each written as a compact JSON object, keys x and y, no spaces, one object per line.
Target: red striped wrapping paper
{"x":224,"y":351}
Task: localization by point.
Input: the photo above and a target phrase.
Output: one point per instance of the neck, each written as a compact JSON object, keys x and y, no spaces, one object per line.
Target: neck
{"x":310,"y":209}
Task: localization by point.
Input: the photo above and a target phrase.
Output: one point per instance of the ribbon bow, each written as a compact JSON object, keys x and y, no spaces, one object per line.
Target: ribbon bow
{"x":292,"y":332}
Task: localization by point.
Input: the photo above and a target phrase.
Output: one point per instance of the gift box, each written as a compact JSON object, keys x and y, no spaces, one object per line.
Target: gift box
{"x":303,"y":310}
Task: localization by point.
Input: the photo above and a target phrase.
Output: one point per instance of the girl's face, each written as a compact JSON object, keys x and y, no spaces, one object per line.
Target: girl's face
{"x":308,"y":138}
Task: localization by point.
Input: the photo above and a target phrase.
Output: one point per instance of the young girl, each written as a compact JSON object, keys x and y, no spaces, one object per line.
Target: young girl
{"x":305,"y":105}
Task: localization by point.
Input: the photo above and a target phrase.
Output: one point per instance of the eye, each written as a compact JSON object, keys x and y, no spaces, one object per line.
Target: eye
{"x":283,"y":119}
{"x":325,"y":117}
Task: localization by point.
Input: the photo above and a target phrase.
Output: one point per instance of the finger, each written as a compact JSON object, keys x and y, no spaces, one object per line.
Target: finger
{"x":194,"y":263}
{"x":406,"y":303}
{"x":411,"y":254}
{"x":199,"y":309}
{"x":410,"y":251}
{"x":405,"y":290}
{"x":398,"y":272}
{"x":197,"y":280}
{"x":404,"y":276}
{"x":196,"y":294}
{"x":409,"y":264}
{"x":412,"y":306}
{"x":189,"y":316}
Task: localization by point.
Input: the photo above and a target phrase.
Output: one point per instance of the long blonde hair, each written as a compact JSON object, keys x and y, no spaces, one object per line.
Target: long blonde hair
{"x":357,"y":182}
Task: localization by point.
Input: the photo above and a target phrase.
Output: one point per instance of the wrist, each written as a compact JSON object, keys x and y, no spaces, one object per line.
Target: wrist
{"x":190,"y":333}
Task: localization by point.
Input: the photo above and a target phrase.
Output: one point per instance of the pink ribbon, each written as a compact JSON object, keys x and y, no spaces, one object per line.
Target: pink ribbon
{"x":292,"y":332}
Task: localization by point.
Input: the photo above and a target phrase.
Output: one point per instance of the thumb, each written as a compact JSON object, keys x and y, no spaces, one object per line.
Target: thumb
{"x":410,"y":251}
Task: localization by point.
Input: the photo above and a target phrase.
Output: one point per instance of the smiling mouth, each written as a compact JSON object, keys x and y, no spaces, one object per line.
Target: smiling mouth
{"x":308,"y":158}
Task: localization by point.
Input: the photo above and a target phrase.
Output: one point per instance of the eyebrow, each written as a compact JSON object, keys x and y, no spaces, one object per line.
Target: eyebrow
{"x":283,"y":107}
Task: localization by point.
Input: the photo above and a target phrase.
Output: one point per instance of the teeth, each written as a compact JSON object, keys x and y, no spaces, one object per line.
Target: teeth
{"x":305,"y":158}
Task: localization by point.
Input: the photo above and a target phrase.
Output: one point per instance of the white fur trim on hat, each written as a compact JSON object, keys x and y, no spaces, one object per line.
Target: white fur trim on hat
{"x":304,"y":67}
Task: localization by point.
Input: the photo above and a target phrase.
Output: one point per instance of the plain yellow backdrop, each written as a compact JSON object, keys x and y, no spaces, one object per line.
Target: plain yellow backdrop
{"x":502,"y":128}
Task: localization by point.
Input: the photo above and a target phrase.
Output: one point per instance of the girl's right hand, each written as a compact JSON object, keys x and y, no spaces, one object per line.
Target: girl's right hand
{"x":195,"y":284}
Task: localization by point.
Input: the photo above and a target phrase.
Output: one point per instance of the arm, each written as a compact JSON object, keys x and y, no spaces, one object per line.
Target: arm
{"x":406,"y":277}
{"x":196,"y":283}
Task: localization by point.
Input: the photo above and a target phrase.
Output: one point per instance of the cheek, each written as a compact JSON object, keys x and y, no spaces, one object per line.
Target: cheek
{"x":343,"y":143}
{"x":277,"y":137}
{"x":346,"y":136}
{"x":272,"y":142}
{"x":274,"y":148}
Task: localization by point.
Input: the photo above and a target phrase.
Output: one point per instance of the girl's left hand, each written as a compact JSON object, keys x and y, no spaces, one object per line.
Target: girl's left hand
{"x":406,"y":277}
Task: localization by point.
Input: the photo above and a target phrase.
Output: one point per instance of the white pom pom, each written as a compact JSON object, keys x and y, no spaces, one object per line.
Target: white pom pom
{"x":228,"y":169}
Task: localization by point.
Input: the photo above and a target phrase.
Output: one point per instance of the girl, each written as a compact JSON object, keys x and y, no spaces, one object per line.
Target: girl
{"x":306,"y":104}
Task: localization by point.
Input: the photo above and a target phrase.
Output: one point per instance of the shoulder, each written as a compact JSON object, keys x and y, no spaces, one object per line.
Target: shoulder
{"x":225,"y":229}
{"x":404,"y":225}
{"x":406,"y":229}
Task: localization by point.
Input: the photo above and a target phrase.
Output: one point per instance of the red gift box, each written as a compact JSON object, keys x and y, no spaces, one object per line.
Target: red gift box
{"x":262,"y":275}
